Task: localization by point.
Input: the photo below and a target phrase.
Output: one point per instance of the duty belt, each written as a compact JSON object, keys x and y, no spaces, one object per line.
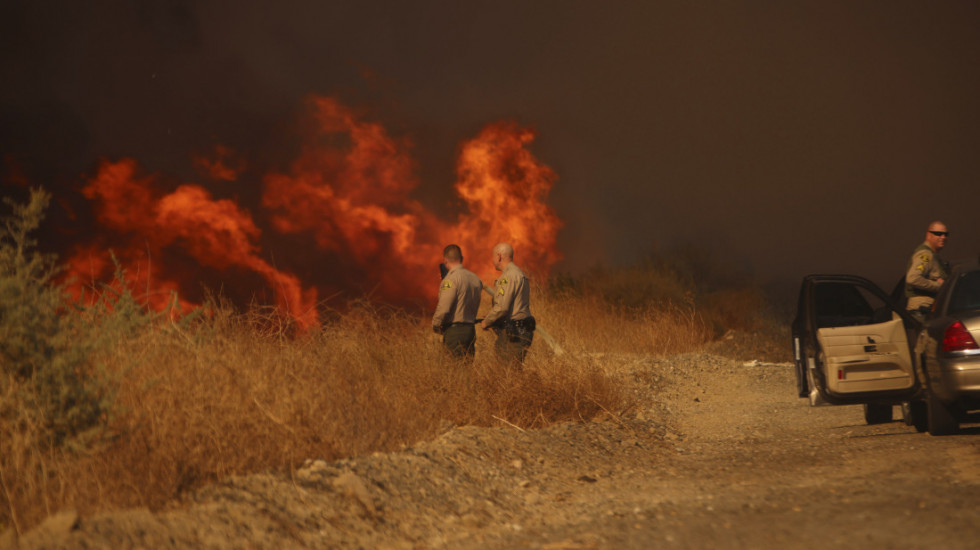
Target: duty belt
{"x":912,"y":292}
{"x":525,"y":324}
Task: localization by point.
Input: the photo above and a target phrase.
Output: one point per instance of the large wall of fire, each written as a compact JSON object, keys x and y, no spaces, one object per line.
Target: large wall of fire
{"x":339,"y":220}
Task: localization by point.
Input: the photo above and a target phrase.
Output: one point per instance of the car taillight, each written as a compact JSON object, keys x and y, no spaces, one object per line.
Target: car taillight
{"x":957,"y":338}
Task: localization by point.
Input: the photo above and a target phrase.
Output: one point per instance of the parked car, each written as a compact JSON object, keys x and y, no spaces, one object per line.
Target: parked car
{"x":949,"y":356}
{"x":854,"y":344}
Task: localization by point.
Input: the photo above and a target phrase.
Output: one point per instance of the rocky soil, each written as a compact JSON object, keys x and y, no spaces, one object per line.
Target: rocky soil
{"x":719,"y":454}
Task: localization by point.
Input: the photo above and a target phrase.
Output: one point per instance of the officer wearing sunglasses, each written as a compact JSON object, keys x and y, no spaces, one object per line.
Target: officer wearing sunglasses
{"x":926,"y":271}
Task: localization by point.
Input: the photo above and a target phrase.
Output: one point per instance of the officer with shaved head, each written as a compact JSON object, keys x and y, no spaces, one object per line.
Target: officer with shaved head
{"x":459,"y":300}
{"x":510,"y":316}
{"x":926,"y":271}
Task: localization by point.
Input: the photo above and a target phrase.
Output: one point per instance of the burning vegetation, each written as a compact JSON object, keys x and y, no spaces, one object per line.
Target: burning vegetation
{"x":104,"y":402}
{"x":339,"y":218}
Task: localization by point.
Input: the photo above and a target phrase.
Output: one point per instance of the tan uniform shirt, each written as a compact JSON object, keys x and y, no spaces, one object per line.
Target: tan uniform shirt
{"x":459,"y":298}
{"x":921,"y":285}
{"x":511,"y":296}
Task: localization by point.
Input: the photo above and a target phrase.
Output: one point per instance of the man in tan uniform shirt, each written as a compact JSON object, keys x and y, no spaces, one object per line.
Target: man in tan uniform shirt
{"x":510,"y":316}
{"x":926,"y":271}
{"x":459,"y":300}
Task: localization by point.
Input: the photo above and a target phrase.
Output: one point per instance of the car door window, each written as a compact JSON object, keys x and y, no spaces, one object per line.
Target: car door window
{"x":847,"y":305}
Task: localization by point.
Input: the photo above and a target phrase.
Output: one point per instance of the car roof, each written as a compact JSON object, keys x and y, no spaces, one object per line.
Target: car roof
{"x":966,"y":267}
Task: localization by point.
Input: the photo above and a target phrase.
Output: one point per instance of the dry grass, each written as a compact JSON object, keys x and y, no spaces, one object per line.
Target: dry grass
{"x":589,"y":324}
{"x":234,"y":393}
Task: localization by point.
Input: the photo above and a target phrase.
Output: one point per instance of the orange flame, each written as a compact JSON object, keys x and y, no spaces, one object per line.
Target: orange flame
{"x":216,"y":233}
{"x":504,"y":187}
{"x":355,"y":202}
{"x":348,"y":192}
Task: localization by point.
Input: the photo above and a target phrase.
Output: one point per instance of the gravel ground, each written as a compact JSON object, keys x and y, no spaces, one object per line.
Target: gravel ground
{"x":720,"y":454}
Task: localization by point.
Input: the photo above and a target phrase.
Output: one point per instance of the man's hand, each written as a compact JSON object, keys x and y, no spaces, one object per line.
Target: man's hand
{"x":483,"y":325}
{"x":940,"y":281}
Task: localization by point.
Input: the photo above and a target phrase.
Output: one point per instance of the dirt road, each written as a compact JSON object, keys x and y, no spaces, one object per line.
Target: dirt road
{"x":719,"y":454}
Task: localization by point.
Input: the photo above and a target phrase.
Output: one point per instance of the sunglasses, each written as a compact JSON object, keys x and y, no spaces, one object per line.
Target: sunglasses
{"x":940,"y":233}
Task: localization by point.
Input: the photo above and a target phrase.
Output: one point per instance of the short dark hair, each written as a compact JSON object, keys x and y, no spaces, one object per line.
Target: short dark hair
{"x":453,"y":253}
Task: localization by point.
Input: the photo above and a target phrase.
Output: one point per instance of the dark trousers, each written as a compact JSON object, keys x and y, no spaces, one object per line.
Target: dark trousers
{"x":919,"y":314}
{"x":460,"y":340}
{"x":512,"y":344}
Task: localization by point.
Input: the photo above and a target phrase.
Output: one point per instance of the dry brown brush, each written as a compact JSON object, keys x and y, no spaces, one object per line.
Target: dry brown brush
{"x":114,"y":406}
{"x":233,"y":393}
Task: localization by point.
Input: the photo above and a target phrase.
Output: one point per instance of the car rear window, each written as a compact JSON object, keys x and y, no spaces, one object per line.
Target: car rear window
{"x":966,"y":293}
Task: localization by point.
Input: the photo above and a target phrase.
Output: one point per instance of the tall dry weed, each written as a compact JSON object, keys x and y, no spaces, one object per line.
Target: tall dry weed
{"x":661,"y":306}
{"x":235,"y":393}
{"x":588,"y":324}
{"x":228,"y":393}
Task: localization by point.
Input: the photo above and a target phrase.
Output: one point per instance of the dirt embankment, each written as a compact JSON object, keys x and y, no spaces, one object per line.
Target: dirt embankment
{"x":719,"y":454}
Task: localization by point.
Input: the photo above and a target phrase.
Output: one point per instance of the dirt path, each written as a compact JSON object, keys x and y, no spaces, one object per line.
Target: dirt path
{"x":720,"y":455}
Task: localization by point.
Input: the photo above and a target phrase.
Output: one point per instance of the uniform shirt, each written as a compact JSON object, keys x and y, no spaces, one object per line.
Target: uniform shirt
{"x":511,"y":296}
{"x":459,"y":298}
{"x":921,"y":285}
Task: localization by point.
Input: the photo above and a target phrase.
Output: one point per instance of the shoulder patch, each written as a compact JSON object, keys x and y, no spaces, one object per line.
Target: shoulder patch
{"x":503,"y":281}
{"x":446,"y":285}
{"x":924,"y":258}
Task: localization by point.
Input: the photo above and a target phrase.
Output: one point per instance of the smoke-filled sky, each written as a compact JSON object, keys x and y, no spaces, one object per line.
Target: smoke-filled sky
{"x":785,"y":137}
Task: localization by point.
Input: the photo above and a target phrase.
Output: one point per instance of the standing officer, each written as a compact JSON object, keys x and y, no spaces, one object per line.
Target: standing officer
{"x":926,"y":271}
{"x":459,"y":300}
{"x":511,"y":313}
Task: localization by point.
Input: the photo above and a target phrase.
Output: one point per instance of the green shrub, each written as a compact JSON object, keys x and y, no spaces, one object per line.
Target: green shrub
{"x":52,"y":375}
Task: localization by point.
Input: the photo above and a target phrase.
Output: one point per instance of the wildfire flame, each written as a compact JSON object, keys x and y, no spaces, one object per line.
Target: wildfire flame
{"x":342,"y":215}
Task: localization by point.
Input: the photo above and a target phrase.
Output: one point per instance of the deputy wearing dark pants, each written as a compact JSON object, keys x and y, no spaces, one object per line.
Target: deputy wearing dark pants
{"x":926,"y":271}
{"x":510,"y":316}
{"x":459,"y":300}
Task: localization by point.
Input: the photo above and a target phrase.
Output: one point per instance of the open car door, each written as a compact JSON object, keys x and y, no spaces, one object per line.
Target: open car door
{"x":851,"y":344}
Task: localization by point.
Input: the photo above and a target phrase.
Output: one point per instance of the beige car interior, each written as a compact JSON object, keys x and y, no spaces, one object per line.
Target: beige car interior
{"x":866,"y":358}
